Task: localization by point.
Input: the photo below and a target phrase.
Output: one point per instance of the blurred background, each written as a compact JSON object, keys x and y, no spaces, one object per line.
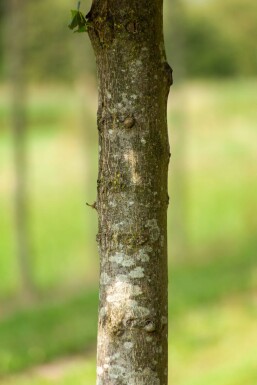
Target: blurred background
{"x":48,"y":171}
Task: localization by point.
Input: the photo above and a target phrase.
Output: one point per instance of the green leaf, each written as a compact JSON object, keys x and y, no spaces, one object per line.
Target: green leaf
{"x":74,"y":22}
{"x":81,"y":18}
{"x":78,"y":20}
{"x":73,"y":12}
{"x":82,"y":29}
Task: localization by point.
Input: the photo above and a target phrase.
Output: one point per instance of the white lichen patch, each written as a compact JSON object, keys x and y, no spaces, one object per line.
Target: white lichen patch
{"x":117,"y":300}
{"x":130,"y":377}
{"x":122,"y":278}
{"x":124,"y":96}
{"x":150,"y":327}
{"x":152,"y":376}
{"x":122,"y":259}
{"x":128,"y":345}
{"x":105,"y":279}
{"x":143,"y":141}
{"x":118,"y":226}
{"x":99,"y":370}
{"x":146,"y":376}
{"x":154,"y":230}
{"x":116,"y":356}
{"x":142,"y":255}
{"x":102,"y":312}
{"x":149,"y":338}
{"x":164,"y":320}
{"x":141,"y":311}
{"x":122,"y":292}
{"x":123,"y":306}
{"x":138,"y":272}
{"x":138,"y":63}
{"x":117,"y":371}
{"x":148,"y":249}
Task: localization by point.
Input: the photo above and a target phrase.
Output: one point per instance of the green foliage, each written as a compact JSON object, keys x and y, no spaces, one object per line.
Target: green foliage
{"x":211,"y":38}
{"x":203,"y":39}
{"x":78,"y":21}
{"x":208,"y":51}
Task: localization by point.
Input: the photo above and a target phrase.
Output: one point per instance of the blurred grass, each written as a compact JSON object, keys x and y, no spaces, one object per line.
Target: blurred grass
{"x":212,"y":313}
{"x":77,"y":372}
{"x":43,"y":332}
{"x":212,"y":305}
{"x":231,"y":273}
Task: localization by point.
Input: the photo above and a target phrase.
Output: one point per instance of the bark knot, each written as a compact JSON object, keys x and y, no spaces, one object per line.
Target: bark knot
{"x":150,"y":326}
{"x":168,"y":73}
{"x":129,"y":122}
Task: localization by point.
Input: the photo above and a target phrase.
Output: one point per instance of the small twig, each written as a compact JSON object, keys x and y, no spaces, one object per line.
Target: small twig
{"x":93,"y":206}
{"x":78,"y":6}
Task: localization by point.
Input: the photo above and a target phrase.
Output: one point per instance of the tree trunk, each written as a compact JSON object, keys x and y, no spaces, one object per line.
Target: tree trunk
{"x":18,"y":116}
{"x":134,"y":81}
{"x":179,"y":239}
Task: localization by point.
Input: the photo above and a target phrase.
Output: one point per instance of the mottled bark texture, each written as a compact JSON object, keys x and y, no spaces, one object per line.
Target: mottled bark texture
{"x":134,"y":81}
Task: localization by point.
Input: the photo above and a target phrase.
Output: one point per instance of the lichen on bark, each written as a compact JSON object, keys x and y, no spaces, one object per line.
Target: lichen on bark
{"x":134,"y":80}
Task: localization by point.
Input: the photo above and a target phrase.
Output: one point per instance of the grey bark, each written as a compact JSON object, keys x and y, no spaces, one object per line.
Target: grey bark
{"x":134,"y":81}
{"x":19,"y":125}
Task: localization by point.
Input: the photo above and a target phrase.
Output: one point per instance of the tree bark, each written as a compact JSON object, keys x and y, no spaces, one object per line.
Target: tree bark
{"x":134,"y":81}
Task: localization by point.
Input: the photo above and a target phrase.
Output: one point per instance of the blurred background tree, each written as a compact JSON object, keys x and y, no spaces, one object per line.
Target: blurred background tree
{"x":211,"y":45}
{"x":175,"y":19}
{"x":16,"y":16}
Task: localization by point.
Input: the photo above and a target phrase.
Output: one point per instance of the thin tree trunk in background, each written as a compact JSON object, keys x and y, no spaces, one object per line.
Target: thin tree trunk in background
{"x":179,"y":218}
{"x":134,"y":81}
{"x":179,"y":180}
{"x":16,"y":38}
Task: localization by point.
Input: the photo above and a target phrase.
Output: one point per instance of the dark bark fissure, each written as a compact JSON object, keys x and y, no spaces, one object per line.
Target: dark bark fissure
{"x":134,"y":80}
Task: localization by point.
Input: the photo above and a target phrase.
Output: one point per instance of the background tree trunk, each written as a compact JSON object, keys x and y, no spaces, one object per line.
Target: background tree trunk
{"x":18,"y":117}
{"x":134,"y":81}
{"x":176,"y":17}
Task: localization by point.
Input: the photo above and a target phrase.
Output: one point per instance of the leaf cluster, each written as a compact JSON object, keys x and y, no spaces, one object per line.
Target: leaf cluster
{"x":78,"y":21}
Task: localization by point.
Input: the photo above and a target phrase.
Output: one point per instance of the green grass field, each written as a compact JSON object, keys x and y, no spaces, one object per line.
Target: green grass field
{"x":213,"y":276}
